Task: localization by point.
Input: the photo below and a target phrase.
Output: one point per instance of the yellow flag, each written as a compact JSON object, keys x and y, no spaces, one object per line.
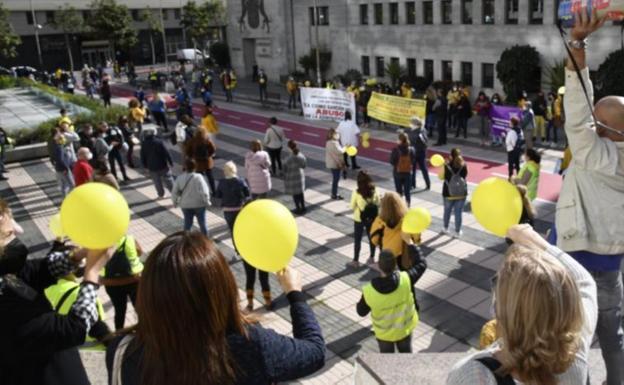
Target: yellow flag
{"x":395,"y":109}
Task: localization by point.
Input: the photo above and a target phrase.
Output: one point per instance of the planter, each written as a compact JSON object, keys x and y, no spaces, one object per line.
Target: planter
{"x":28,"y":152}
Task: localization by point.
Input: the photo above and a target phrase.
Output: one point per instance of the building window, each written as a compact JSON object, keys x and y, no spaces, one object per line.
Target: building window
{"x":135,"y":14}
{"x":50,"y":17}
{"x":165,"y":14}
{"x":447,"y":11}
{"x":447,"y":70}
{"x":365,"y":66}
{"x":86,"y":15}
{"x":380,"y":67}
{"x":378,"y":13}
{"x":363,"y":14}
{"x":536,"y":9}
{"x":511,"y":11}
{"x":411,"y":68}
{"x":410,"y":12}
{"x":428,"y":12}
{"x":323,"y":16}
{"x":466,"y":12}
{"x":394,"y":13}
{"x":488,"y":11}
{"x":487,"y":75}
{"x":395,"y":61}
{"x":176,"y":13}
{"x":29,"y":18}
{"x":466,"y":73}
{"x":428,"y":70}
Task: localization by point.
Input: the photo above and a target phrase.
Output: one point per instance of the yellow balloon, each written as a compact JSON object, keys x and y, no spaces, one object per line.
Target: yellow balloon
{"x":365,"y":144}
{"x":437,"y":160}
{"x":441,"y":174}
{"x":55,"y":225}
{"x":95,"y":216}
{"x":497,"y":205}
{"x":266,"y":235}
{"x":416,"y":221}
{"x":351,"y":151}
{"x":366,"y":136}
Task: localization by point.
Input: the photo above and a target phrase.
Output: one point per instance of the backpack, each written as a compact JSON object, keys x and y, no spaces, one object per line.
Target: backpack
{"x":519,"y":146}
{"x":368,"y":215}
{"x":493,"y":365}
{"x":119,"y":265}
{"x":404,"y":165}
{"x":457,"y":186}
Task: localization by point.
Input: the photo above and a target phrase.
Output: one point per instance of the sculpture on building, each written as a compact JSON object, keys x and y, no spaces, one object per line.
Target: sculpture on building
{"x":252,"y":10}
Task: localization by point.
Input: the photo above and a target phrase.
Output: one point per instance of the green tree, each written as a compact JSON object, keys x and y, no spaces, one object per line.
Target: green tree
{"x":609,"y":78}
{"x":394,"y":72}
{"x":519,"y":70}
{"x":201,"y":21}
{"x":555,"y":75}
{"x":113,"y":22}
{"x":69,"y":21}
{"x":220,"y":53}
{"x":8,"y":39}
{"x":308,"y":62}
{"x":154,"y":27}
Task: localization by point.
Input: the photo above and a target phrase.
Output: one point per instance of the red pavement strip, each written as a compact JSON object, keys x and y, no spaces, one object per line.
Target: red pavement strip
{"x":479,"y":169}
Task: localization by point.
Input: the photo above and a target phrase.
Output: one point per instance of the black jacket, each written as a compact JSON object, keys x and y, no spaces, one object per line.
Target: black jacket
{"x":233,"y":192}
{"x":398,"y":151}
{"x":266,"y":356}
{"x":154,"y":154}
{"x":418,"y":141}
{"x":37,"y":345}
{"x":390,"y":283}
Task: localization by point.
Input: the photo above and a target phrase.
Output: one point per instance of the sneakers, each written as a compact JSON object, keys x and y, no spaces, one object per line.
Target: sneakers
{"x":337,"y":197}
{"x":458,"y":234}
{"x":370,"y":261}
{"x":354,"y":264}
{"x":445,"y":231}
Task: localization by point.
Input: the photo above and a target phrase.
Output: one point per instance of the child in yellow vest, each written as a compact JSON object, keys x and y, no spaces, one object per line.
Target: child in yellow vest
{"x":392,"y":302}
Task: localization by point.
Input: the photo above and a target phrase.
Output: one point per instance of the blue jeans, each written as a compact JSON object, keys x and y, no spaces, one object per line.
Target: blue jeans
{"x":402,"y":184}
{"x":200,"y":214}
{"x":358,"y":233}
{"x":609,"y":326}
{"x":335,"y":180}
{"x":65,"y":182}
{"x":160,"y":178}
{"x":457,"y":206}
{"x":421,"y":163}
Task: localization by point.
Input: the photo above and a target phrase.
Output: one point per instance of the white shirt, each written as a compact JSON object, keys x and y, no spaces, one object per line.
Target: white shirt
{"x":510,"y":140}
{"x":274,"y":137}
{"x":348,"y":131}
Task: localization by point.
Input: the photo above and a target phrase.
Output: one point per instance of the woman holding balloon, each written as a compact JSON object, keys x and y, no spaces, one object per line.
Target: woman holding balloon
{"x":455,"y":190}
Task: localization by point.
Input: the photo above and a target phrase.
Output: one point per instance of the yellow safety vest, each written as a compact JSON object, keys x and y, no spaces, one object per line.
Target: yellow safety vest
{"x":394,"y":315}
{"x":534,"y":169}
{"x":55,"y":293}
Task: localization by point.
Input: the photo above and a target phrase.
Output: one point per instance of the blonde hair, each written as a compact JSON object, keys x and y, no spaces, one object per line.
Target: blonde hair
{"x":392,"y":209}
{"x":229,"y":169}
{"x":539,"y":316}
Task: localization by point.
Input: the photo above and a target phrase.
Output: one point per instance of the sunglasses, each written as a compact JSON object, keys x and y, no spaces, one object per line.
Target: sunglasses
{"x":610,"y":129}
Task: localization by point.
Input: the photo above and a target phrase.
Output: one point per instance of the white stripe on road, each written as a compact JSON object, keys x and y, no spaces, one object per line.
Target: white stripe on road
{"x":310,"y":134}
{"x":234,"y":117}
{"x":383,"y":150}
{"x":256,"y":122}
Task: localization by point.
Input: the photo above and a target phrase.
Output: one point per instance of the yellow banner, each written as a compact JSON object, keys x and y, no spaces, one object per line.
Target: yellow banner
{"x":395,"y":109}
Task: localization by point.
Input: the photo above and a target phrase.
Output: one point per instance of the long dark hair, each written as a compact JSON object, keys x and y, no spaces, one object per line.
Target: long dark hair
{"x":187,"y":305}
{"x":456,"y":161}
{"x":365,"y":185}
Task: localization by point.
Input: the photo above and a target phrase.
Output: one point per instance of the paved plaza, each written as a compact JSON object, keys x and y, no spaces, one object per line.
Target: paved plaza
{"x":21,"y":108}
{"x":454,"y":293}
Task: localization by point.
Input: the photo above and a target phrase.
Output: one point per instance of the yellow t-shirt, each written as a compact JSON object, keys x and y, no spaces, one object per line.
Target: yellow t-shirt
{"x":67,"y":119}
{"x":138,"y":114}
{"x":210,"y":124}
{"x":392,"y":239}
{"x":358,"y":203}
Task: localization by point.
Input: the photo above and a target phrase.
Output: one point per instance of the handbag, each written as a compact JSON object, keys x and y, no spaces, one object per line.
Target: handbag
{"x":184,"y":188}
{"x":118,"y":359}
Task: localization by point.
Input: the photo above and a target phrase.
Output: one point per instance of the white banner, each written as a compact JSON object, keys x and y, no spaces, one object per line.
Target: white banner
{"x":326,"y":104}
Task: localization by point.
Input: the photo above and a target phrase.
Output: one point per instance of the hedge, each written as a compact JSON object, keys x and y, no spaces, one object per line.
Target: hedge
{"x":41,"y":133}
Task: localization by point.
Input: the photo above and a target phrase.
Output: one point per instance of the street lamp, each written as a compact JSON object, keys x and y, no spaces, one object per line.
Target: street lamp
{"x":37,"y":27}
{"x":318,"y":54}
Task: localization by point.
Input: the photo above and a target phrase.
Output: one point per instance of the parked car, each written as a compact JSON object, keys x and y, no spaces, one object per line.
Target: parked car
{"x":25,"y":71}
{"x":6,"y":72}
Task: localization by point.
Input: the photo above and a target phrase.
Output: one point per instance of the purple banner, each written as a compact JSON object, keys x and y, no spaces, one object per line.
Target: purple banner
{"x":501,"y":119}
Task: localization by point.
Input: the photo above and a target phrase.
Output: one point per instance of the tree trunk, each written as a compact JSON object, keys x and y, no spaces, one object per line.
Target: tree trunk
{"x":69,"y":53}
{"x":153,"y":49}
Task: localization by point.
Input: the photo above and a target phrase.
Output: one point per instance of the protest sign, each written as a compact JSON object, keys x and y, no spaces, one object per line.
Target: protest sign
{"x":326,"y":104}
{"x":395,"y":109}
{"x":501,"y":119}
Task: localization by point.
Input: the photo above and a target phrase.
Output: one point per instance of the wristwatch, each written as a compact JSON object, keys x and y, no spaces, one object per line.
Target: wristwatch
{"x":578,"y":44}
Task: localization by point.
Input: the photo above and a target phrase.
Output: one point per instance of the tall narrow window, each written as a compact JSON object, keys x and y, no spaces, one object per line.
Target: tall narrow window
{"x":394,"y":13}
{"x":488,"y":11}
{"x":487,"y":75}
{"x":428,"y":12}
{"x":363,"y":14}
{"x":447,"y":70}
{"x":536,"y":11}
{"x":428,"y":70}
{"x":50,"y":17}
{"x":380,"y":66}
{"x":466,"y":12}
{"x":323,"y":15}
{"x":410,"y":12}
{"x":447,"y":11}
{"x":411,"y":68}
{"x":29,"y":18}
{"x":466,"y":73}
{"x":365,"y":66}
{"x":511,"y":11}
{"x":378,"y":7}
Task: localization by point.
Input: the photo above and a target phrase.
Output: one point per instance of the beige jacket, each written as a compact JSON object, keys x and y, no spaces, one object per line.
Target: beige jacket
{"x":590,"y":210}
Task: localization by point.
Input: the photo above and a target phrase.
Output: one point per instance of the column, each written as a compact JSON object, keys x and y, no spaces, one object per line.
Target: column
{"x":499,"y":13}
{"x":437,"y":12}
{"x":524,"y":8}
{"x":456,"y":12}
{"x":550,"y":12}
{"x":477,"y":12}
{"x":420,"y":19}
